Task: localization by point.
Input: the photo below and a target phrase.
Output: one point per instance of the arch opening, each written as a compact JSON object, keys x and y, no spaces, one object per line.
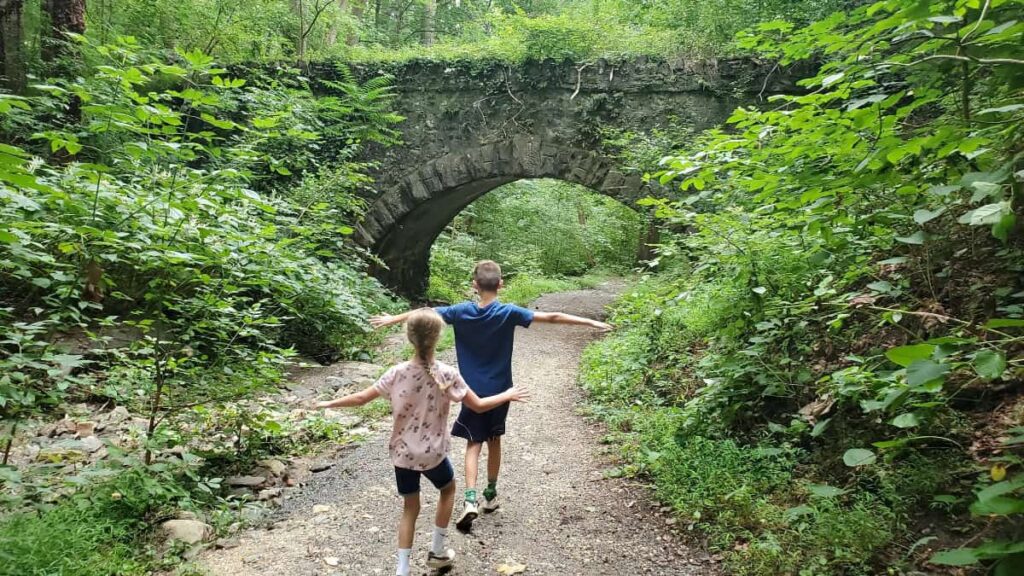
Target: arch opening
{"x":404,"y":222}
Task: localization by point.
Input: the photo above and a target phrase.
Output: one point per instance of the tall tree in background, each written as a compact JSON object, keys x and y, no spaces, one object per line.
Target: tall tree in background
{"x":11,"y":49}
{"x":66,"y":16}
{"x":308,"y":17}
{"x":429,"y":22}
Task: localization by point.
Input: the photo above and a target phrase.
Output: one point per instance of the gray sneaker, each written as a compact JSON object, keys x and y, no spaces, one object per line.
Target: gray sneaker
{"x":469,"y":513}
{"x":491,"y":505}
{"x":446,"y":560}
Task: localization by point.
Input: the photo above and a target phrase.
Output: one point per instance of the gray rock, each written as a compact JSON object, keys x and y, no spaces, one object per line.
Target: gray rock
{"x":275,"y":467}
{"x":270,"y":493}
{"x":247,"y":481}
{"x":187,"y":531}
{"x":321,"y":467}
{"x":92,"y":444}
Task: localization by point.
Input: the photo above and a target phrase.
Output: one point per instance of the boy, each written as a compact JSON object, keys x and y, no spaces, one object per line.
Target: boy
{"x":484,"y":334}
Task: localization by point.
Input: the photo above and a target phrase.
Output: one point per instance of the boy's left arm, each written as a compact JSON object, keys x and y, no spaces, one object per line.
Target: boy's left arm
{"x":354,"y":399}
{"x":563,"y":318}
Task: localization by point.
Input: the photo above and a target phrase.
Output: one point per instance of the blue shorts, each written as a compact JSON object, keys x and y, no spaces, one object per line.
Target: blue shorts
{"x":409,"y":480}
{"x":480,"y":427}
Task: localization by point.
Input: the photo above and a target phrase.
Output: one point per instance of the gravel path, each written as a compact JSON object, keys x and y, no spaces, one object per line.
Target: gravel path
{"x":559,"y":516}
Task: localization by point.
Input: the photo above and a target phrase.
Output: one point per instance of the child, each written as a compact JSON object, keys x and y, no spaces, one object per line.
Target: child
{"x":420,"y":392}
{"x":484,"y":334}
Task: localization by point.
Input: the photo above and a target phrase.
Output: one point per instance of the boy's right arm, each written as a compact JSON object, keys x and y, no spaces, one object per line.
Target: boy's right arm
{"x":389,"y":320}
{"x":563,"y":318}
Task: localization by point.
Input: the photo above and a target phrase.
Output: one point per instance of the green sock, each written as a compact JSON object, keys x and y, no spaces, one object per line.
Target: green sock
{"x":492,"y":490}
{"x":471,"y":495}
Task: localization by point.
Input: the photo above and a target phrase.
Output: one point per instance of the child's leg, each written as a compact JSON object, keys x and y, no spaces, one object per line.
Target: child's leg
{"x":445,"y":505}
{"x":407,"y":527}
{"x":472,"y":464}
{"x":406,"y":532}
{"x":493,"y":467}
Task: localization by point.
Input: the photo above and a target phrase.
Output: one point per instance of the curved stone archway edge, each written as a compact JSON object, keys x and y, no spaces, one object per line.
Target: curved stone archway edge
{"x":406,"y":219}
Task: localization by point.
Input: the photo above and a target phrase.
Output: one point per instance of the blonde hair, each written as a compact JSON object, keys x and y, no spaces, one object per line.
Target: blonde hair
{"x":423,"y":329}
{"x":487,"y":275}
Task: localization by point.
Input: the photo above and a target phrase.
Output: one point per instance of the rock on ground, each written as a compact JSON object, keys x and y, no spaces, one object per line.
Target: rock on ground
{"x":560,"y":516}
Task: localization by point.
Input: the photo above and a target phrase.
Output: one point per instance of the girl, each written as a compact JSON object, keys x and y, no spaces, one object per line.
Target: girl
{"x":420,"y":392}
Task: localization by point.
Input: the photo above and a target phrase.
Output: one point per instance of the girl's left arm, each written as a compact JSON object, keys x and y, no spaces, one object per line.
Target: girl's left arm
{"x":354,"y":399}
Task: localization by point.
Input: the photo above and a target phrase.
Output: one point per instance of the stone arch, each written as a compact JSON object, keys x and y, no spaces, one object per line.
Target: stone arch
{"x":403,"y":222}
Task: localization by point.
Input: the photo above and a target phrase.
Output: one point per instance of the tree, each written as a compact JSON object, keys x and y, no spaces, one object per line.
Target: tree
{"x":315,"y":12}
{"x":11,"y":45}
{"x":66,"y":16}
{"x":429,"y":22}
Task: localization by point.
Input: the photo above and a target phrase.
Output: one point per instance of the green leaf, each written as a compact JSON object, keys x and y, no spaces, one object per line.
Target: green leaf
{"x":908,"y":420}
{"x":7,"y":238}
{"x":855,"y":457}
{"x":922,"y":372}
{"x":1003,"y":109}
{"x":958,"y":557}
{"x":917,"y":238}
{"x":990,"y":364}
{"x":825,"y":491}
{"x":998,"y":506}
{"x":924,"y":216}
{"x":907,"y":355}
{"x":1005,"y":323}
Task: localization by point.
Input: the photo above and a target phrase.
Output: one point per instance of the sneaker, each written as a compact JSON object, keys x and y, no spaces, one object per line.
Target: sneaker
{"x":491,"y":505}
{"x":446,"y":560}
{"x":469,"y":513}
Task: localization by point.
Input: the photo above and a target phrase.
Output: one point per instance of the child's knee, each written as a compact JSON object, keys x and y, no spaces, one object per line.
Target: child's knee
{"x":448,"y":490}
{"x":412,"y":503}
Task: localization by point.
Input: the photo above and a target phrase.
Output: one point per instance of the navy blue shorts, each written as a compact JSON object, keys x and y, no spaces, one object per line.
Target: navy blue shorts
{"x":480,"y":427}
{"x":409,"y":480}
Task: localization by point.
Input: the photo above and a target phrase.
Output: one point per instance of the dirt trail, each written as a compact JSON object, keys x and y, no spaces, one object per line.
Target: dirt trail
{"x":559,"y":516}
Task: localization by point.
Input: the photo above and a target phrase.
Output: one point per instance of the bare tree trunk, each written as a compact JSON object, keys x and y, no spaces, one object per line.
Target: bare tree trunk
{"x":358,"y":8}
{"x":300,"y":42}
{"x":66,"y":16}
{"x":332,"y":31}
{"x":651,"y":235}
{"x":429,"y":22}
{"x":11,"y":45}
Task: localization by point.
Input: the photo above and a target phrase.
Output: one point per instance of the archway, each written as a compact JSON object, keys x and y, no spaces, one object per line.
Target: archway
{"x":403,"y":223}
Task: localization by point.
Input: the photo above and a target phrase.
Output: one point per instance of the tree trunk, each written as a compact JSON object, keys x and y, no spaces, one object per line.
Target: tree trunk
{"x":300,"y":41}
{"x":651,"y":236}
{"x":358,"y":8}
{"x":429,"y":22}
{"x":11,"y":45}
{"x":66,"y":16}
{"x":332,"y":31}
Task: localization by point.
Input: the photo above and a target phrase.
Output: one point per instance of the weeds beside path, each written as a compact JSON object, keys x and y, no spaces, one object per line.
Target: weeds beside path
{"x":560,"y":516}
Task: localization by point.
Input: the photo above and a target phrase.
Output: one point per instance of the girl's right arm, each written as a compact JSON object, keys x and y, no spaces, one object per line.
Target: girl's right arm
{"x":354,"y":399}
{"x":478,"y":404}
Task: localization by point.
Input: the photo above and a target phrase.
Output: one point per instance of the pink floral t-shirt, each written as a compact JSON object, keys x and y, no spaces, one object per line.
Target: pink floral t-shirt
{"x":419,"y":408}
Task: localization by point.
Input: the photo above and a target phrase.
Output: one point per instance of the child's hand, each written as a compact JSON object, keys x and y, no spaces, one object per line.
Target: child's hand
{"x":602,"y":327}
{"x":520,"y":394}
{"x":321,"y":405}
{"x":382,"y":320}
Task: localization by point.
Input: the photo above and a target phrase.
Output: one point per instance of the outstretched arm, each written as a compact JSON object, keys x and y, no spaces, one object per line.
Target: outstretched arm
{"x":354,"y":399}
{"x":563,"y":318}
{"x":389,"y":320}
{"x":478,"y":404}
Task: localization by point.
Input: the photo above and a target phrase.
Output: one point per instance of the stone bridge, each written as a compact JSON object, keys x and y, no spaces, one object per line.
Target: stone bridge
{"x":471,"y":127}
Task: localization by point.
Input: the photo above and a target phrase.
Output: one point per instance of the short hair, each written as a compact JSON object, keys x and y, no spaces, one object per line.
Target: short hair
{"x":487,"y":275}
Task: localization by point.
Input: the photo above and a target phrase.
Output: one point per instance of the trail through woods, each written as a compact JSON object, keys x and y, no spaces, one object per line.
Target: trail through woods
{"x":560,"y":515}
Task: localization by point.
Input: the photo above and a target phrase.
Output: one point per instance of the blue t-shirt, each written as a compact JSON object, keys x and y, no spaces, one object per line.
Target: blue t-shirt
{"x":483,"y":342}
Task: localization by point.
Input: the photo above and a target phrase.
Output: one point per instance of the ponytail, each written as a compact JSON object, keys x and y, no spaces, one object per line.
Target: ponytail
{"x":424,"y":330}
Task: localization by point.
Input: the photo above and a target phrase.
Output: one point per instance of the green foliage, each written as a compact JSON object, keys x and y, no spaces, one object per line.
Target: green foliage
{"x":851,"y":272}
{"x":543,"y":233}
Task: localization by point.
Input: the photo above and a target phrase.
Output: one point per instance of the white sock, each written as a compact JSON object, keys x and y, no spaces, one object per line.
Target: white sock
{"x":403,"y":561}
{"x":437,"y":546}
